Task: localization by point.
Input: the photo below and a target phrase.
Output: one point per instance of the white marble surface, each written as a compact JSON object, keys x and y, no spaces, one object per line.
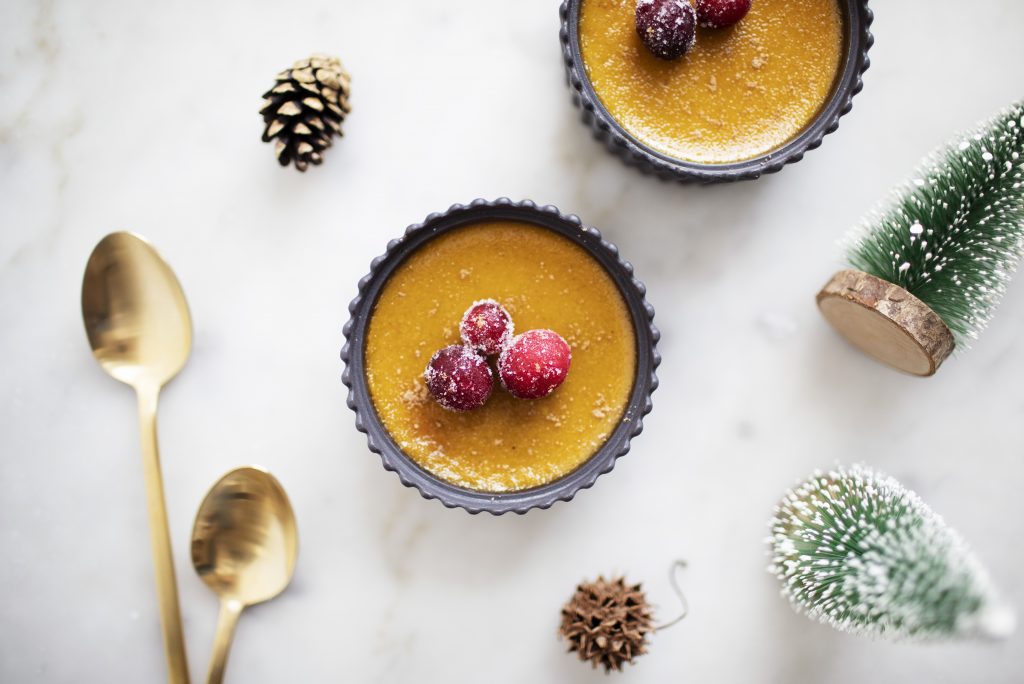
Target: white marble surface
{"x":142,"y":116}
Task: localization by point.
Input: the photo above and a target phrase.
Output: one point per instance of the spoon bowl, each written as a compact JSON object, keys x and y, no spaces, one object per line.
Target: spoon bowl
{"x":244,"y":547}
{"x":244,"y":542}
{"x":135,"y":312}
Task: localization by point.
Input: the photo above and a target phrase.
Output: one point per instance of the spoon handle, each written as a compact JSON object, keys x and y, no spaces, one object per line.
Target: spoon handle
{"x":163,"y":561}
{"x":226,"y":621}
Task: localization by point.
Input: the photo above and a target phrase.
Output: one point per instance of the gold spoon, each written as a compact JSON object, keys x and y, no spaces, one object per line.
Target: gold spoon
{"x":244,"y":546}
{"x":139,"y":328}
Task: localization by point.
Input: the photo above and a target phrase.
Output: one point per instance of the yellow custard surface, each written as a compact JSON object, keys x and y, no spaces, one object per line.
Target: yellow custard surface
{"x":545,"y":281}
{"x":741,"y":92}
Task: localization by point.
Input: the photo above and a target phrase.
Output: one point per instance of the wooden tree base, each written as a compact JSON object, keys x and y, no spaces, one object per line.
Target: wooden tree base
{"x":885,"y":321}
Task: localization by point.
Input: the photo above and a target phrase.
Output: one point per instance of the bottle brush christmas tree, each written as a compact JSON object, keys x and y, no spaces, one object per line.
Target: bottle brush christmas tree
{"x":856,"y":550}
{"x":932,"y":264}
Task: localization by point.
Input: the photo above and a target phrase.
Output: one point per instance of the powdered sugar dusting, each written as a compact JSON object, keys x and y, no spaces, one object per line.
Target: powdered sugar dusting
{"x":487,"y":326}
{"x":534,"y":364}
{"x":458,"y":378}
{"x":667,"y":27}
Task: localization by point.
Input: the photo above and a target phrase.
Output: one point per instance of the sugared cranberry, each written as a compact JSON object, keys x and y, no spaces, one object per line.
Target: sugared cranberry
{"x":459,"y":379}
{"x":667,"y":27}
{"x":721,"y":13}
{"x":534,"y":364}
{"x":486,"y":326}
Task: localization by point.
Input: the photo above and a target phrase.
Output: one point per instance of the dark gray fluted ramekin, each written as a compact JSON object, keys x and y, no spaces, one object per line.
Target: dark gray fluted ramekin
{"x":379,"y":439}
{"x":857,"y":18}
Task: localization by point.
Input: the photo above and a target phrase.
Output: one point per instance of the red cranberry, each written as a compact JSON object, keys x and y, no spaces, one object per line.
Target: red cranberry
{"x":667,"y":27}
{"x":534,"y":364}
{"x":486,"y":326}
{"x":721,"y":13}
{"x":459,"y":379}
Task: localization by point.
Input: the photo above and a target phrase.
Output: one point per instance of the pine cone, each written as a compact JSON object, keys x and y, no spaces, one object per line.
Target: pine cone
{"x":607,"y":622}
{"x":305,"y":109}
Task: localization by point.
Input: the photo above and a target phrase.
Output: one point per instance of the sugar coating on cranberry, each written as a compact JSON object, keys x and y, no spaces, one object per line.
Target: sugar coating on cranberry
{"x":486,"y":326}
{"x":667,"y":27}
{"x":721,"y":13}
{"x":459,"y":379}
{"x":534,"y":364}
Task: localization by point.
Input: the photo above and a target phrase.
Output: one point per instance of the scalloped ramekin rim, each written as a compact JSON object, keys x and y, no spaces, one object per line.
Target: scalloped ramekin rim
{"x":605,"y":128}
{"x":603,"y":460}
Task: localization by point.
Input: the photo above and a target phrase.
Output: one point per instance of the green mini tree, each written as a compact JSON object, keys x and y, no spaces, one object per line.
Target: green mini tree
{"x":856,"y":550}
{"x":932,"y":263}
